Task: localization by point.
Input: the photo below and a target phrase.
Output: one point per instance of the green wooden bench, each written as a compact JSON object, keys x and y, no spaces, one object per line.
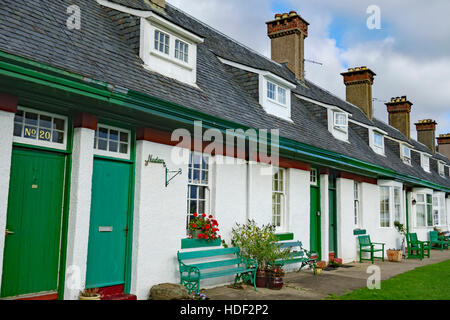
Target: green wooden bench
{"x":225,"y":262}
{"x":297,"y":255}
{"x":441,"y":242}
{"x":366,"y":245}
{"x":417,"y":248}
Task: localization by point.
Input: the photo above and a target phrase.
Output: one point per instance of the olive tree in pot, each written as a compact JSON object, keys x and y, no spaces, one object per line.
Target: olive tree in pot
{"x":396,"y":255}
{"x":257,"y":243}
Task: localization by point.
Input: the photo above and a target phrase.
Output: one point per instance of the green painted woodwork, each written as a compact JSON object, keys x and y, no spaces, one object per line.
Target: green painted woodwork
{"x":39,"y":74}
{"x":107,"y":232}
{"x":284,"y":236}
{"x":357,"y":232}
{"x":315,"y":220}
{"x":366,"y":245}
{"x":297,"y":255}
{"x":417,"y":248}
{"x":332,"y":213}
{"x":191,"y":273}
{"x":198,"y":243}
{"x":440,"y":242}
{"x":35,"y":207}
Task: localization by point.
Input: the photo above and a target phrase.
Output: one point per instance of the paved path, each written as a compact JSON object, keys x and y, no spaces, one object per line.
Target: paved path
{"x":306,"y":286}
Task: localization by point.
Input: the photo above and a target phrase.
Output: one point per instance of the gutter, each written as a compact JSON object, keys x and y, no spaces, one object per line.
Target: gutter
{"x":27,"y":70}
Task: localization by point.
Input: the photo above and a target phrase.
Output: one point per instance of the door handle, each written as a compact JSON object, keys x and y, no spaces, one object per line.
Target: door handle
{"x":318,"y":213}
{"x":7,"y":233}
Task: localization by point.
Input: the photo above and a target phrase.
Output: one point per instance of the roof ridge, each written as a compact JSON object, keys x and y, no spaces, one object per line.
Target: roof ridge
{"x":224,"y":35}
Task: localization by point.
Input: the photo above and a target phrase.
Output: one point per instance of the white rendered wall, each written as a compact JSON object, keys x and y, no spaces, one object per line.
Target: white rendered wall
{"x":260,"y":206}
{"x":447,"y":201}
{"x":6,"y":132}
{"x":345,"y":220}
{"x":79,"y":212}
{"x":298,"y":205}
{"x":159,"y":221}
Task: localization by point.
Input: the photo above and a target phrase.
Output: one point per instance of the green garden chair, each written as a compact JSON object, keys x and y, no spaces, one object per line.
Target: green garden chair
{"x":440,"y":242}
{"x":417,"y":248}
{"x":365,"y":245}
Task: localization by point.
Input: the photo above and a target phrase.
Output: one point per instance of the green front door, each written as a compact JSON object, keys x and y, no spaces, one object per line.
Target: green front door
{"x":332,"y":215}
{"x":315,"y":234}
{"x":31,"y":254}
{"x":108,"y":225}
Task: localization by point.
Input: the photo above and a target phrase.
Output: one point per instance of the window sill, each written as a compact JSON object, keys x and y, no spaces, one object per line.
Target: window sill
{"x":171,"y":60}
{"x":198,"y":243}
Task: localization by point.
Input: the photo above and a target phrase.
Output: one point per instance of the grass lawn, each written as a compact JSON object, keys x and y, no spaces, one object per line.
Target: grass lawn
{"x":431,"y":282}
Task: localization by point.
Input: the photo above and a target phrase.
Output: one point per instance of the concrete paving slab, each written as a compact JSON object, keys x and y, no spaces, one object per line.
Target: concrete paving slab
{"x":306,"y":286}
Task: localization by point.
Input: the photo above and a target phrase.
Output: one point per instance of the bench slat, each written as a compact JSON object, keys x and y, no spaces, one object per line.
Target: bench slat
{"x":225,"y":272}
{"x":216,"y":264}
{"x":290,"y":244}
{"x":207,"y":253}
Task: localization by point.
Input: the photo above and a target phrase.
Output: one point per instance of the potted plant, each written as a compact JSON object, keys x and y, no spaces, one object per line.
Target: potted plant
{"x":257,"y":243}
{"x":320,"y":265}
{"x":90,"y":294}
{"x":396,"y":255}
{"x":275,"y":278}
{"x":204,"y":227}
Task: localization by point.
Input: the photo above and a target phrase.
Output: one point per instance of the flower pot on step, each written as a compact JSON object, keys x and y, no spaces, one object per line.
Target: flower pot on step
{"x":394,"y":255}
{"x":261,"y":279}
{"x":275,"y":283}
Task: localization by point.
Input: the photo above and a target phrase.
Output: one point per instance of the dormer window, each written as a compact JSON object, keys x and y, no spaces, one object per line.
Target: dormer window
{"x":168,"y":49}
{"x":425,"y":162}
{"x":275,"y":95}
{"x":377,"y":142}
{"x":441,"y":166}
{"x":406,"y":154}
{"x":341,"y":121}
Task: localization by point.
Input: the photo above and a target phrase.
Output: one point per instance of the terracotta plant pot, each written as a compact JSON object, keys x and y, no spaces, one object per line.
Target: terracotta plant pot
{"x":261,"y":279}
{"x":275,"y":283}
{"x":317,"y":271}
{"x":394,"y":255}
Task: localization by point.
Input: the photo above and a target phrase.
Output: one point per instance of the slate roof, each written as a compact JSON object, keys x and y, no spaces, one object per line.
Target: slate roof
{"x":37,"y":30}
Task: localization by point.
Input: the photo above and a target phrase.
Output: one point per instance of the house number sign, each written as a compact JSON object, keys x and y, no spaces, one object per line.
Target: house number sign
{"x":32,"y":132}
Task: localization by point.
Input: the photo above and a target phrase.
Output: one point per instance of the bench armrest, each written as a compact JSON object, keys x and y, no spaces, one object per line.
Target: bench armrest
{"x":380,"y":243}
{"x":191,"y":270}
{"x":249,"y":263}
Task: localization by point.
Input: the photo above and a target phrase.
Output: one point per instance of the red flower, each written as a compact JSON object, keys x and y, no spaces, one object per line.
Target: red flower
{"x":195,"y":214}
{"x":206,"y":236}
{"x":194,"y":226}
{"x":200,"y":236}
{"x":207,"y":226}
{"x":210,"y":216}
{"x":215,"y":223}
{"x":203,"y":215}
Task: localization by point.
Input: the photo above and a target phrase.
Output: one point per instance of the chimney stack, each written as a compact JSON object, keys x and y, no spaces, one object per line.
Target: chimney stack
{"x":159,"y":3}
{"x":426,"y":133}
{"x":399,"y":110}
{"x":358,"y":82}
{"x":444,"y":144}
{"x":287,"y":33}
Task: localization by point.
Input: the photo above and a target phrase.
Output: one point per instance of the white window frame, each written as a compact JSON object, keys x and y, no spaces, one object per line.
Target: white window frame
{"x":406,"y":156}
{"x":439,"y":209}
{"x":428,"y":208}
{"x":112,"y":154}
{"x":182,"y":50}
{"x":425,"y":162}
{"x":378,"y":148}
{"x":392,"y":186}
{"x":205,"y":167}
{"x":282,"y":204}
{"x":357,"y":203}
{"x":340,"y":126}
{"x":276,"y":92}
{"x":41,"y":143}
{"x":441,"y":168}
{"x":165,"y":43}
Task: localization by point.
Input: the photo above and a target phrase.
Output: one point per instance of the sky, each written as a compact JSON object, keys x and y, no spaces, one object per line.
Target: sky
{"x":409,"y":49}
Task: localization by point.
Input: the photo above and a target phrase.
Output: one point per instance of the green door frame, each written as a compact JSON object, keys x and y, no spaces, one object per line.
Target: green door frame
{"x":316,"y":232}
{"x":332,"y":203}
{"x":67,"y":184}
